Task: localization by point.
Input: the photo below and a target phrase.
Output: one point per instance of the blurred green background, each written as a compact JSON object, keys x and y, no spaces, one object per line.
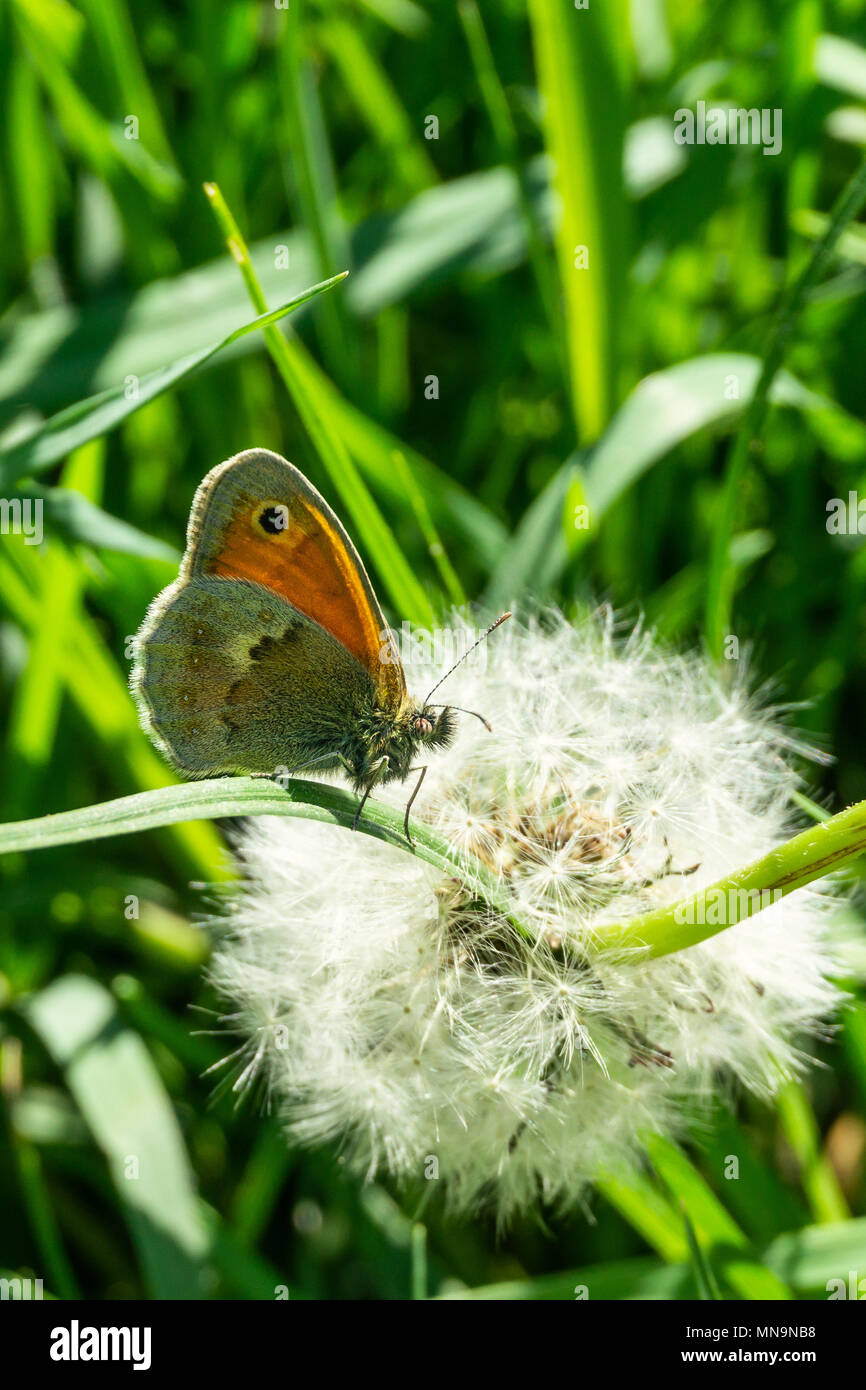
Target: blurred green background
{"x":468,"y":382}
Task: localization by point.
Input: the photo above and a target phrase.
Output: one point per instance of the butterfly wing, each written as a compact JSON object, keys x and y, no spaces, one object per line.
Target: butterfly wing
{"x":229,"y":677}
{"x":257,"y":518}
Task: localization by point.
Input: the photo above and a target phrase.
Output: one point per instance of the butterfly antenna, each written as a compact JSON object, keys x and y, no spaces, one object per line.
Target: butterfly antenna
{"x":482,"y":638}
{"x":488,"y":726}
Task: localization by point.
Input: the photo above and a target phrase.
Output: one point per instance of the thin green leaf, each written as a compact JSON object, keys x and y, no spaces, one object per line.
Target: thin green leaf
{"x":806,"y":1261}
{"x":800,"y":1128}
{"x":243,"y":796}
{"x":379,"y":104}
{"x":819,"y":850}
{"x":102,"y":698}
{"x":721,"y":578}
{"x":534,"y":558}
{"x":705,"y":1279}
{"x":426,"y":525}
{"x":582,"y":84}
{"x":406,"y":592}
{"x":672,"y":405}
{"x":810,"y":1259}
{"x":840,"y":64}
{"x":118,"y":1090}
{"x":618,"y":1279}
{"x":309,"y":157}
{"x":715,"y":1229}
{"x":96,"y":416}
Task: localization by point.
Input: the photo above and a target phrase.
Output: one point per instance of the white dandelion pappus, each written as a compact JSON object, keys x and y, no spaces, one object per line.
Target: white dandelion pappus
{"x":618,"y":778}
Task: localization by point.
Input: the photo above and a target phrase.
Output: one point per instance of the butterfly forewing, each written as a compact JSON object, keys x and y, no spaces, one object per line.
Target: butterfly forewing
{"x":257,"y":518}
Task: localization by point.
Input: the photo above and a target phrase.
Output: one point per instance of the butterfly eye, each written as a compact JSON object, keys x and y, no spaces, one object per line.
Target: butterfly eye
{"x":274,"y":518}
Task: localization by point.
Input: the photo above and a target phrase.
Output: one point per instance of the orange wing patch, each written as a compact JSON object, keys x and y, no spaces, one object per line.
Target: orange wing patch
{"x":292,"y":547}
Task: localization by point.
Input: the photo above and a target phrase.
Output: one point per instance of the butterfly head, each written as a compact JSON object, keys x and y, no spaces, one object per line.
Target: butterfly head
{"x":384,"y":747}
{"x":432,"y":727}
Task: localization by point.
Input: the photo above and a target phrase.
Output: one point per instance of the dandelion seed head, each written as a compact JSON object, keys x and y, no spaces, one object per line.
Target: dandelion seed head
{"x":619,"y":777}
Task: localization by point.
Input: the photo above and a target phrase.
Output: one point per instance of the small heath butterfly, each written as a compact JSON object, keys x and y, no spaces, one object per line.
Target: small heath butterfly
{"x":270,"y":649}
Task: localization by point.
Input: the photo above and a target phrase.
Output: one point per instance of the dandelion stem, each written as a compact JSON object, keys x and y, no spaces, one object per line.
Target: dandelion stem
{"x":815,"y":852}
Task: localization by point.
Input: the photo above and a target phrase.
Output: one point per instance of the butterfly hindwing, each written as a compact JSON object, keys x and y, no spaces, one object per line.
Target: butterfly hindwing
{"x":231,"y":678}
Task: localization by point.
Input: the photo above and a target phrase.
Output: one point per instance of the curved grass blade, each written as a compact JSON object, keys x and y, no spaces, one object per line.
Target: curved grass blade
{"x":243,"y":796}
{"x":819,"y":850}
{"x":705,"y":1280}
{"x":97,"y":414}
{"x":818,"y":1179}
{"x":70,"y":514}
{"x":407,"y":594}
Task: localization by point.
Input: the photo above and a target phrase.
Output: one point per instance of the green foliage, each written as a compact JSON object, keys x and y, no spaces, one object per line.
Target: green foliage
{"x":618,"y":431}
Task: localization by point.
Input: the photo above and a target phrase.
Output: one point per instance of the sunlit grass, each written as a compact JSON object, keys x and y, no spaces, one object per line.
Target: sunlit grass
{"x":452,"y":163}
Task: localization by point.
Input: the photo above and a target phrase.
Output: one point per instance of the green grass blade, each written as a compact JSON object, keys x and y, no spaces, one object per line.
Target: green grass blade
{"x":115,"y":37}
{"x":43,"y":1219}
{"x":38,"y":693}
{"x":71,"y":516}
{"x":380,"y":106}
{"x":472,"y":223}
{"x":534,"y":558}
{"x":581,"y":81}
{"x":641,"y":1278}
{"x":719,"y":1235}
{"x":243,"y":796}
{"x":720,"y":581}
{"x":648,"y":1211}
{"x":94,"y":139}
{"x":102,"y":698}
{"x":260,"y":1185}
{"x":375,"y":536}
{"x":705,"y":1279}
{"x":373,"y":448}
{"x":29,"y":147}
{"x":806,"y":1261}
{"x":426,"y":525}
{"x":499,"y":114}
{"x":309,"y":157}
{"x":800,"y":1128}
{"x":817,"y":851}
{"x":118,"y":1090}
{"x":96,"y":416}
{"x":672,"y":405}
{"x":418,"y":1255}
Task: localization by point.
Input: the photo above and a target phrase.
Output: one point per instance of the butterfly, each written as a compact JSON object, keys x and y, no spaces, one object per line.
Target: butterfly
{"x":270,"y":651}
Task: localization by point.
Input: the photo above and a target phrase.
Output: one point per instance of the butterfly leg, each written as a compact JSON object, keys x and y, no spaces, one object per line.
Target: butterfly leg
{"x":415,"y":792}
{"x":361,"y":805}
{"x":375,"y":768}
